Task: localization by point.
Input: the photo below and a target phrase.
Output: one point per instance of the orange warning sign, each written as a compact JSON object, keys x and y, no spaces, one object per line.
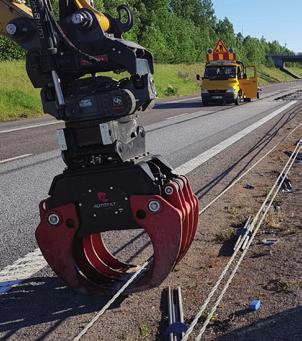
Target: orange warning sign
{"x":220,"y":47}
{"x":221,"y":52}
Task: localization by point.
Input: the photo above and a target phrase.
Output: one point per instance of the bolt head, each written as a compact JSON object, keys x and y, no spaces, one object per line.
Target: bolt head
{"x":77,"y":18}
{"x":11,"y":29}
{"x":154,"y":206}
{"x":169,"y":190}
{"x":53,"y":219}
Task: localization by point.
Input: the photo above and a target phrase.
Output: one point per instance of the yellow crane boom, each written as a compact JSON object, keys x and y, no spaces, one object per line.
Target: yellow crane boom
{"x":11,"y":9}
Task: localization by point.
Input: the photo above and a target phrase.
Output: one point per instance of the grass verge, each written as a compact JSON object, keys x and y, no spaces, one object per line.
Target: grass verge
{"x":18,"y":99}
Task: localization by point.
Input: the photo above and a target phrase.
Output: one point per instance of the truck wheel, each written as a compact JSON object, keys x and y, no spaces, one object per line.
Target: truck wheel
{"x":205,"y":103}
{"x":247,"y":100}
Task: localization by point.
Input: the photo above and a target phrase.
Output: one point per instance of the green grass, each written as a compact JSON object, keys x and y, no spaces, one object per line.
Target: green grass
{"x":18,"y":99}
{"x":181,"y":78}
{"x":296,"y":70}
{"x":272,"y":75}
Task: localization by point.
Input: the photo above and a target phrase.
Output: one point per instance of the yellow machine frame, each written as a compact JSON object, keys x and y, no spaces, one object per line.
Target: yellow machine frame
{"x":11,"y":9}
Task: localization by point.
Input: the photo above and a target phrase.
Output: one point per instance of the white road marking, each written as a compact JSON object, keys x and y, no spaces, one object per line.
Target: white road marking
{"x":171,"y":118}
{"x":29,"y":127}
{"x":20,"y":270}
{"x":25,"y":267}
{"x":205,"y":156}
{"x":15,"y":158}
{"x":178,"y":101}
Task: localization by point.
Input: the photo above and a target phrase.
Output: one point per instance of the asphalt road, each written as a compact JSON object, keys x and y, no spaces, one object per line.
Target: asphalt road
{"x":36,"y":136}
{"x":180,"y":130}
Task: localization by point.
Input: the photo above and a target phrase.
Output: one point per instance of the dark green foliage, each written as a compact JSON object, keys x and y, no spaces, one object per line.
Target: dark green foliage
{"x":9,"y":50}
{"x":177,"y":31}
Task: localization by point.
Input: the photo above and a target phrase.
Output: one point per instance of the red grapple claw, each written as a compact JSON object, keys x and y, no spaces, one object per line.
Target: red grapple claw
{"x":195,"y":209}
{"x":97,"y":261}
{"x":173,"y":195}
{"x":57,"y":243}
{"x":164,"y":228}
{"x":102,"y":251}
{"x":187,"y":222}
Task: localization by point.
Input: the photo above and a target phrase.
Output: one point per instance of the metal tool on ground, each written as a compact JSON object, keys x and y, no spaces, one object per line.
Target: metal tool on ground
{"x":177,"y":327}
{"x":244,"y":235}
{"x":287,"y":186}
{"x":111,"y":182}
{"x":255,"y":305}
{"x":299,"y":158}
{"x":269,"y":242}
{"x":249,"y":186}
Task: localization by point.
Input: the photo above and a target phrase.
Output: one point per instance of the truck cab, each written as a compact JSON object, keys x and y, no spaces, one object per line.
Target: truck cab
{"x":227,"y":80}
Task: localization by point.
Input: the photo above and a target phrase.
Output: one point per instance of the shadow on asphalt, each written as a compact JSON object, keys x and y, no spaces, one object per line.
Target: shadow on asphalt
{"x":285,"y":326}
{"x":184,"y":105}
{"x":41,"y":300}
{"x":180,"y":105}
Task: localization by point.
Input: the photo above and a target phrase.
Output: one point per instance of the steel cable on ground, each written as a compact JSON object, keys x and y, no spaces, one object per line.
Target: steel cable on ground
{"x":111,"y":301}
{"x":279,"y":181}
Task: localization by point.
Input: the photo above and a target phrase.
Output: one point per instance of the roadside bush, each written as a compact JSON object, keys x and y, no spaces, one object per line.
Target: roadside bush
{"x":171,"y":91}
{"x":10,"y":50}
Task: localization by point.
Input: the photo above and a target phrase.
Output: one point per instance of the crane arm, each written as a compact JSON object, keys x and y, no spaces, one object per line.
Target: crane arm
{"x":12,"y":9}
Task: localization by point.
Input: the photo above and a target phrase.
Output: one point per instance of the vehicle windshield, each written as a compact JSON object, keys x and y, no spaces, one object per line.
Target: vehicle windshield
{"x":220,"y":72}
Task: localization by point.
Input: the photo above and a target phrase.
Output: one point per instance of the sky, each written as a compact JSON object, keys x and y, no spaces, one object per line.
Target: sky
{"x":279,"y":20}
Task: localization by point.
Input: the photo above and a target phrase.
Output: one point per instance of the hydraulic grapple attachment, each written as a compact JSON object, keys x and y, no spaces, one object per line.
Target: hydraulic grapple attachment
{"x":111,"y":183}
{"x":144,"y":195}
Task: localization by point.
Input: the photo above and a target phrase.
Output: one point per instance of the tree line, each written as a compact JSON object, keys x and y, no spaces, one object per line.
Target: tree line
{"x":177,"y":31}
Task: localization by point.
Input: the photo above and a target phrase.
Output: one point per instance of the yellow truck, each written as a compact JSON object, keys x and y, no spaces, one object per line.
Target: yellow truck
{"x":227,"y":80}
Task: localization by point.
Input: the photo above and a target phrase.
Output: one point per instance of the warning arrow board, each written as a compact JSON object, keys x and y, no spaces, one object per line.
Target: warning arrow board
{"x":220,"y":47}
